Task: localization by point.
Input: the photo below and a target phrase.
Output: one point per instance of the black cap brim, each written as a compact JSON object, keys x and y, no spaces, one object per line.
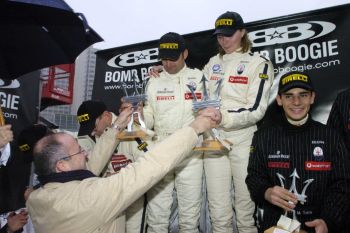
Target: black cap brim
{"x":167,"y":54}
{"x":224,"y":31}
{"x":86,"y":129}
{"x":302,"y":85}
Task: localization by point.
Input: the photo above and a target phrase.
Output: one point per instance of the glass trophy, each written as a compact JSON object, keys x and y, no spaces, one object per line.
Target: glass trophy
{"x":216,"y":144}
{"x":136,"y":99}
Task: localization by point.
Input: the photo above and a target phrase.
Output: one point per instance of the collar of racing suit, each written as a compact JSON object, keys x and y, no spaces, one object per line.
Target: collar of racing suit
{"x":294,"y":128}
{"x":235,"y":55}
{"x":178,"y":75}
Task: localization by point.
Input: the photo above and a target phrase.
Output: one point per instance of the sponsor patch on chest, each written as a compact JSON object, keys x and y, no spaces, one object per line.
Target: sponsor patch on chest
{"x":278,"y":164}
{"x":189,"y":96}
{"x":118,"y":161}
{"x":318,"y":166}
{"x":238,"y":79}
{"x":165,"y":97}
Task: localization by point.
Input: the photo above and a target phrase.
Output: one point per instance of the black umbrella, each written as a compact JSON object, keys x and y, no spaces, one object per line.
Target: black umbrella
{"x":40,"y":33}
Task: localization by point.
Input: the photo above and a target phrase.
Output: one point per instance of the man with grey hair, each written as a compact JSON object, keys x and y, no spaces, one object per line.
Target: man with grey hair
{"x":72,"y":199}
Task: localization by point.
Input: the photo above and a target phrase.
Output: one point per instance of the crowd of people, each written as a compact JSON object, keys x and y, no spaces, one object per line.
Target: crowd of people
{"x":98,"y":182}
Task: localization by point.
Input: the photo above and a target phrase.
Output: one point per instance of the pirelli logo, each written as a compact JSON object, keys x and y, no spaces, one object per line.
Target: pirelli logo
{"x":84,"y":117}
{"x":24,"y":147}
{"x":295,"y":77}
{"x":223,"y":22}
{"x":169,"y":46}
{"x":165,"y":98}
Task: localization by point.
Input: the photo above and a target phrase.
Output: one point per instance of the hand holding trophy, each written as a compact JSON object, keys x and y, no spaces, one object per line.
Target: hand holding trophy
{"x":136,"y":100}
{"x":217,"y":143}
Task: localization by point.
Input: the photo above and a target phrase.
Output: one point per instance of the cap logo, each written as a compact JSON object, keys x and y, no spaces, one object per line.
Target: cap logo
{"x":223,"y":22}
{"x":169,"y":46}
{"x":294,"y":77}
{"x":84,"y":117}
{"x":24,"y":147}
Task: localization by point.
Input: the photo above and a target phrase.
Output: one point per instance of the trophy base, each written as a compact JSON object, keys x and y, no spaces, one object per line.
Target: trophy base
{"x":280,"y":230}
{"x":211,"y":145}
{"x":129,"y":136}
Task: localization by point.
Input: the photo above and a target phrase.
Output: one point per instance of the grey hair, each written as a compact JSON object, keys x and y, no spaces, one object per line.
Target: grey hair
{"x":46,"y":153}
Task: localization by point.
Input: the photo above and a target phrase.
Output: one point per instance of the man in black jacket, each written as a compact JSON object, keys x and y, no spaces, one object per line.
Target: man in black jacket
{"x":300,"y":166}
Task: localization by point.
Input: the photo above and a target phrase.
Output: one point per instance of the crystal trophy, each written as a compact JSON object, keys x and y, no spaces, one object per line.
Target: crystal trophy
{"x":217,"y":143}
{"x":135,"y":99}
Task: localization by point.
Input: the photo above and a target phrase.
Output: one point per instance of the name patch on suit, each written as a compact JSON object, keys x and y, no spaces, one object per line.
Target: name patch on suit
{"x":238,"y":79}
{"x":318,"y":166}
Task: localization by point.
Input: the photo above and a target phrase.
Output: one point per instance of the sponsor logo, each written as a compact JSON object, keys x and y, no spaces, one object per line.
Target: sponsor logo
{"x":223,"y":22}
{"x":240,"y":68}
{"x":9,"y":84}
{"x":134,"y":58}
{"x":119,"y":161}
{"x":318,"y":153}
{"x":189,"y":96}
{"x":165,"y":91}
{"x":318,"y":166}
{"x":238,"y":79}
{"x":165,"y":97}
{"x":263,"y":76}
{"x":192,"y":84}
{"x":294,"y":77}
{"x":278,"y":164}
{"x":169,"y":46}
{"x":317,"y":142}
{"x":84,"y":117}
{"x":216,"y":68}
{"x":278,"y":155}
{"x":215,"y":78}
{"x":290,"y":33}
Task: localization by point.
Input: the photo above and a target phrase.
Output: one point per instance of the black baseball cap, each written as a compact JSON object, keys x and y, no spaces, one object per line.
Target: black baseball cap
{"x":293,"y":80}
{"x":29,"y":136}
{"x":228,"y":23}
{"x":170,"y":46}
{"x":87,"y":114}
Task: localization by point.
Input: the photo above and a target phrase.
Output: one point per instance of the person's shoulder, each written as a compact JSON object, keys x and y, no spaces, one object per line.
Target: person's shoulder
{"x":268,"y":130}
{"x":324,"y":128}
{"x":259,"y":58}
{"x":194,"y":71}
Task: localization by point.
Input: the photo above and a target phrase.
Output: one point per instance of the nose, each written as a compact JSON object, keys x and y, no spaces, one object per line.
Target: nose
{"x":296,"y":100}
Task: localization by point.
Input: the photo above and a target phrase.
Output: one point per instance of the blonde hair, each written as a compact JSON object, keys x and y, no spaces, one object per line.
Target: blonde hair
{"x":246,"y":44}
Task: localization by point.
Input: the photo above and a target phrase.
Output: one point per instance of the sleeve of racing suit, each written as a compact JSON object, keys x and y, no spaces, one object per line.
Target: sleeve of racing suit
{"x":256,"y":100}
{"x":102,"y":151}
{"x":257,"y":180}
{"x":148,"y":112}
{"x":336,"y":204}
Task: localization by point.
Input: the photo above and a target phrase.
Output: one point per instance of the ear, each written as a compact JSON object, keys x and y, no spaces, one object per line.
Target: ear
{"x":313,"y":95}
{"x":185,"y":53}
{"x":279,"y":100}
{"x":62,"y":166}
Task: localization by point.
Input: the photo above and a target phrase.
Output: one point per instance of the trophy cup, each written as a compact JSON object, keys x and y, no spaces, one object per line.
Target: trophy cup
{"x":135,"y":99}
{"x":286,"y":224}
{"x":2,"y":119}
{"x":217,"y":143}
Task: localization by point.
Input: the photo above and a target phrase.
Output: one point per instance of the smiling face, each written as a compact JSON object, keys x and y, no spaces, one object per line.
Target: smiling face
{"x":296,"y":103}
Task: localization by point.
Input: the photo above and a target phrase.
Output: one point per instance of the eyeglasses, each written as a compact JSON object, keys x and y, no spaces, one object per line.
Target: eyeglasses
{"x":81,"y":151}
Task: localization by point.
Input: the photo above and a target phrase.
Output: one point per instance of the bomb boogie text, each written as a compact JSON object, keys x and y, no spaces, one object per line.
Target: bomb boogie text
{"x":126,"y":76}
{"x":303,"y":52}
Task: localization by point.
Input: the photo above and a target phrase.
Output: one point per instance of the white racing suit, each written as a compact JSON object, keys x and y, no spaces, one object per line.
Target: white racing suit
{"x":247,"y":79}
{"x":168,"y":108}
{"x":119,"y":157}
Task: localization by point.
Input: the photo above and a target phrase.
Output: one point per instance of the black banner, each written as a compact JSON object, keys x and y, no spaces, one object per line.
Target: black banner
{"x":315,"y":42}
{"x":19,"y":100}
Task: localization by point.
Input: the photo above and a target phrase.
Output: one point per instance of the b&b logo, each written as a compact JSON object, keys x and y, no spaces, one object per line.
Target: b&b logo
{"x":134,"y":58}
{"x":291,"y":33}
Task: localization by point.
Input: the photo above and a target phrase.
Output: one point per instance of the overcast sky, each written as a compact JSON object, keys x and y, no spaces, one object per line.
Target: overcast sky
{"x":124,"y":22}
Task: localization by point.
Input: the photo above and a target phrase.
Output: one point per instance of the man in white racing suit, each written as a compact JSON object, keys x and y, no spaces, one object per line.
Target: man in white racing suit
{"x":168,"y":108}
